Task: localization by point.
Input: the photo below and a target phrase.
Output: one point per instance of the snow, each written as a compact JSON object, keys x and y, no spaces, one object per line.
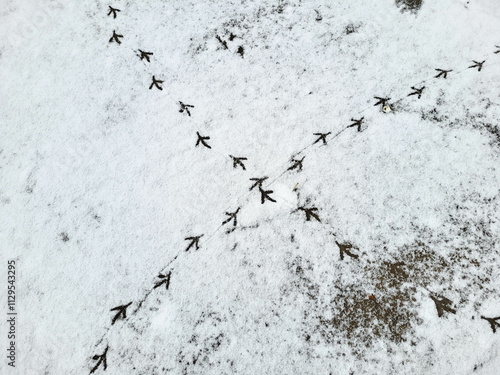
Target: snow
{"x":101,"y":182}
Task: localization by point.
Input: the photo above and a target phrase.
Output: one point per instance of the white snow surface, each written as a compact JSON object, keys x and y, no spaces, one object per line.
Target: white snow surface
{"x":101,"y":182}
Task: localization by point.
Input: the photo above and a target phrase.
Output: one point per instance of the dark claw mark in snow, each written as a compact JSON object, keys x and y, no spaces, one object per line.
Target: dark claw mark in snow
{"x":264,"y":195}
{"x":381,"y":101}
{"x":165,"y":279}
{"x":122,"y":310}
{"x":221,"y":41}
{"x":417,"y":91}
{"x":156,"y":83}
{"x":493,"y":322}
{"x":357,"y":123}
{"x":113,"y":10}
{"x":232,"y":216}
{"x":145,"y":55}
{"x":116,"y":37}
{"x":478,"y":65}
{"x":344,"y":249}
{"x":241,"y":51}
{"x":443,"y":73}
{"x":194,"y":241}
{"x":238,"y":161}
{"x":310,"y":213}
{"x":100,"y":359}
{"x":322,"y":137}
{"x":185,"y":107}
{"x":201,"y":140}
{"x":258,"y":182}
{"x":297,"y":164}
{"x":442,"y":305}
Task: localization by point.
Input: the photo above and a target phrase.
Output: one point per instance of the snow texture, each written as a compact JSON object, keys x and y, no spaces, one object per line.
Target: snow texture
{"x":380,"y":254}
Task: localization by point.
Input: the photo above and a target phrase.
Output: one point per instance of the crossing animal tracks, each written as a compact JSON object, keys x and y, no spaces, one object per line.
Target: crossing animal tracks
{"x":443,"y":305}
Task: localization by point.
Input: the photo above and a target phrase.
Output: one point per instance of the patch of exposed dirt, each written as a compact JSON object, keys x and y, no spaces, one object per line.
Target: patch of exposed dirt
{"x":409,"y":5}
